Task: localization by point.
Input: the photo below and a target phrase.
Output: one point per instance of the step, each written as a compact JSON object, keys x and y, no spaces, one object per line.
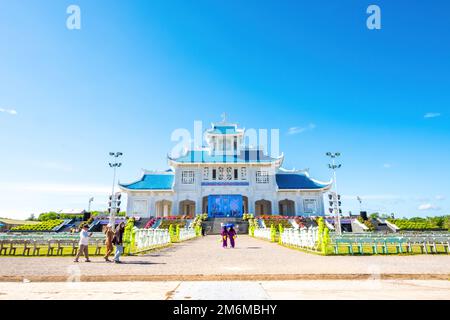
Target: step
{"x":214,"y":225}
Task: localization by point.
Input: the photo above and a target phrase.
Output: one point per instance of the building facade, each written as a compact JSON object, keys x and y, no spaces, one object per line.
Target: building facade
{"x":225,"y":179}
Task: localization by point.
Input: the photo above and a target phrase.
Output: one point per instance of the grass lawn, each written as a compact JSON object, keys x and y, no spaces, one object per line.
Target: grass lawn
{"x":367,"y":249}
{"x":67,"y":252}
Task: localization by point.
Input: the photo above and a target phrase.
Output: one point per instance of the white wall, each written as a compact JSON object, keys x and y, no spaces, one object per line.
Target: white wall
{"x":195,"y":192}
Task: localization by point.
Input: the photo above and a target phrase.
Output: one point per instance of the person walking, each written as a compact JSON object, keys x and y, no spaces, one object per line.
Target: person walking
{"x":109,"y":233}
{"x":232,"y":235}
{"x":118,"y":241}
{"x":224,"y":235}
{"x":203,"y":226}
{"x":84,"y":244}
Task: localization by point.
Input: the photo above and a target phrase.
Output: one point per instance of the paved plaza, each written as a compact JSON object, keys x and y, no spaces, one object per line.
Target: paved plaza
{"x":204,"y":259}
{"x":226,"y":290}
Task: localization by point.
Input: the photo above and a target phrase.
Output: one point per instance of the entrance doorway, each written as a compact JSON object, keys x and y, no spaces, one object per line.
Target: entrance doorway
{"x":187,"y":207}
{"x":221,"y":206}
{"x":163,"y":208}
{"x":286,"y":207}
{"x":263,"y":207}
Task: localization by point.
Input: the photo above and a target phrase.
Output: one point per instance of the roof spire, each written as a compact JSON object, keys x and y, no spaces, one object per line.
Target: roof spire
{"x":224,"y":117}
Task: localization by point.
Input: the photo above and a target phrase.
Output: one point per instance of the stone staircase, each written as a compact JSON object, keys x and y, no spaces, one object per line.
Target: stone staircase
{"x":214,"y":225}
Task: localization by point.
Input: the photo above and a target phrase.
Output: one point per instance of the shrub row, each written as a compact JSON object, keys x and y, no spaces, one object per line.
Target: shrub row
{"x":405,"y":224}
{"x":43,"y":226}
{"x":276,"y":222}
{"x":167,"y":222}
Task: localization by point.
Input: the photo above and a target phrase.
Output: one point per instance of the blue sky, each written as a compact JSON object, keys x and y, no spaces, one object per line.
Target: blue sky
{"x":137,"y":70}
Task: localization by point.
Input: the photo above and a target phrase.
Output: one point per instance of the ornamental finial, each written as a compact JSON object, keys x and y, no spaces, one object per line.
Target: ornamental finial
{"x":224,"y":117}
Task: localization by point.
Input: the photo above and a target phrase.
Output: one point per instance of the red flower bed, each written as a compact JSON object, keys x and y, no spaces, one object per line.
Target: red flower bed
{"x":150,"y":223}
{"x":273,"y":217}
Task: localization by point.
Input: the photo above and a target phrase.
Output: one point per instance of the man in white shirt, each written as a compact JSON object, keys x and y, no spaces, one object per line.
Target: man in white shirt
{"x":84,"y":244}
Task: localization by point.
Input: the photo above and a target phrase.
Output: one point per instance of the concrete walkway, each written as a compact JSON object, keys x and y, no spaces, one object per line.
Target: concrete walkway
{"x":204,"y":259}
{"x":225,"y":290}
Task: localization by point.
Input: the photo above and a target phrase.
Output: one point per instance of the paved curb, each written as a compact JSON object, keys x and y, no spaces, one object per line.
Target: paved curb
{"x":228,"y":277}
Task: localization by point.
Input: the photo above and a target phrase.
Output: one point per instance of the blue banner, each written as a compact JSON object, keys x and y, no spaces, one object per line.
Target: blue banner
{"x":221,"y":206}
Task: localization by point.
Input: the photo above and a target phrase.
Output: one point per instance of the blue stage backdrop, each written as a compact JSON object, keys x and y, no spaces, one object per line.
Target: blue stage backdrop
{"x":229,"y":205}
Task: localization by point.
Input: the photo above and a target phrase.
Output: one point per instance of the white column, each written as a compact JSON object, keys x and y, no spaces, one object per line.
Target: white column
{"x":298,"y":206}
{"x":165,"y":209}
{"x":275,"y":207}
{"x":151,"y":207}
{"x":198,"y":205}
{"x":176,"y":207}
{"x":251,"y":205}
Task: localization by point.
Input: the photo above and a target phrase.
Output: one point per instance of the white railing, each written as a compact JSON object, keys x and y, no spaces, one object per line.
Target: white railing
{"x":187,"y":233}
{"x":262,"y":233}
{"x":303,"y":238}
{"x":149,"y":238}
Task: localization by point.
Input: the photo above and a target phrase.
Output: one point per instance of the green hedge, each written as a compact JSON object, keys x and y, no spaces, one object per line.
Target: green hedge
{"x":284,"y":222}
{"x":405,"y":224}
{"x":367,"y":223}
{"x":167,"y":222}
{"x":43,"y":226}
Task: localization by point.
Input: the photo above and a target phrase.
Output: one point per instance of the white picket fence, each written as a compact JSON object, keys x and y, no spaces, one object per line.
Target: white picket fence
{"x":186,"y":234}
{"x":303,"y":238}
{"x":149,"y":238}
{"x":262,"y":233}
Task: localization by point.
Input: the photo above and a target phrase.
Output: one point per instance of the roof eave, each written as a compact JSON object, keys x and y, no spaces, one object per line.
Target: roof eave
{"x":144,"y":190}
{"x":211,"y":163}
{"x":324,"y":188}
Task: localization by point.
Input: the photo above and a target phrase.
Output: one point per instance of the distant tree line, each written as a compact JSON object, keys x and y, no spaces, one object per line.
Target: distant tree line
{"x":442,"y":222}
{"x":46,"y":216}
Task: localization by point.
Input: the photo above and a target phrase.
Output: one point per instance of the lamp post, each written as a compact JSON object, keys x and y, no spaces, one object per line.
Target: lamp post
{"x":90,"y":201}
{"x":360,"y":203}
{"x":333,"y":166}
{"x":114,"y":164}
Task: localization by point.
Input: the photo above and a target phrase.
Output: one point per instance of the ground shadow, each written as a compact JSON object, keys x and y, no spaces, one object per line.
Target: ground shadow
{"x":141,"y":262}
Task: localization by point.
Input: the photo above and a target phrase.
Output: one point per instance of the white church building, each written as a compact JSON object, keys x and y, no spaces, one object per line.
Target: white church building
{"x":225,"y":179}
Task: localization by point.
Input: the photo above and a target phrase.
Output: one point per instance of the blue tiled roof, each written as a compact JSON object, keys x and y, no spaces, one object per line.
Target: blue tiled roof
{"x":297,"y":181}
{"x":246,"y":156}
{"x":223,"y":130}
{"x":152,"y":182}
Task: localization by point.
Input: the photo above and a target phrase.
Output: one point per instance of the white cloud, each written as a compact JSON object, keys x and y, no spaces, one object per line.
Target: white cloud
{"x":387,"y":165}
{"x":432,"y":115}
{"x":297,"y":130}
{"x":440,"y":197}
{"x":9,"y":111}
{"x":428,"y":206}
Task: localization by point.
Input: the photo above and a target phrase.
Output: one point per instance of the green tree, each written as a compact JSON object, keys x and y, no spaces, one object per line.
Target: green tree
{"x":325,"y":240}
{"x":273,"y":233}
{"x":48,"y":216}
{"x":321,"y":228}
{"x":447,"y":223}
{"x":375,"y":215}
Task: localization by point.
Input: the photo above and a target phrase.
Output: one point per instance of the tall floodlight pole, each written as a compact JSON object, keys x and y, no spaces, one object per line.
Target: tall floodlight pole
{"x":333,"y":166}
{"x":114,"y":164}
{"x":360,"y":203}
{"x":90,"y":201}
